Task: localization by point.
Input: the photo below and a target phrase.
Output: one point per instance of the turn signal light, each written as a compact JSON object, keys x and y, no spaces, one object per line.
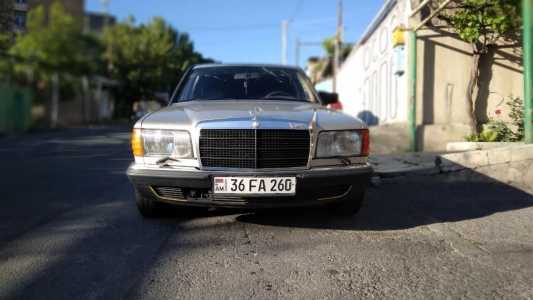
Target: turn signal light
{"x":365,"y":147}
{"x":137,"y":143}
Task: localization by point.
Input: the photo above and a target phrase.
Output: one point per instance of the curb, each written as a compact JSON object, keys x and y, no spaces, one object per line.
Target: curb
{"x":409,"y":172}
{"x":470,"y":160}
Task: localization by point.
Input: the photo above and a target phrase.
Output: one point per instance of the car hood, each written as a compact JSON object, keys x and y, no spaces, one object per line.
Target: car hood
{"x":222,"y":113}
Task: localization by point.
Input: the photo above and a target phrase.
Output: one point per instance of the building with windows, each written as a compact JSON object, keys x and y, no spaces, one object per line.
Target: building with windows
{"x":95,"y":22}
{"x":20,"y":11}
{"x":22,"y":7}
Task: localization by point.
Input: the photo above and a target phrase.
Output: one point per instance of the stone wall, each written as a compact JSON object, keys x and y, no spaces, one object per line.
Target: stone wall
{"x":444,"y":65}
{"x":512,"y":165}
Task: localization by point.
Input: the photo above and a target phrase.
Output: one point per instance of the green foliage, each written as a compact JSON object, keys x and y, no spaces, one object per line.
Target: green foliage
{"x":53,"y":44}
{"x":484,"y":22}
{"x":5,"y":64}
{"x":6,"y":36}
{"x":516,"y":114}
{"x":147,"y":58}
{"x":6,"y":15}
{"x":485,"y":136}
{"x":5,"y":43}
{"x":329,"y":46}
{"x":142,"y":59}
{"x":500,"y":131}
{"x":137,"y":55}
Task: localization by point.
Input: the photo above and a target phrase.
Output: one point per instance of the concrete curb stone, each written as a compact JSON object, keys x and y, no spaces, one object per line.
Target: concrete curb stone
{"x":509,"y":157}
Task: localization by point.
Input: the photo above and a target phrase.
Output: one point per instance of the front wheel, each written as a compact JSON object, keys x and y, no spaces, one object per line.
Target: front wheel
{"x":148,"y":207}
{"x":349,"y":206}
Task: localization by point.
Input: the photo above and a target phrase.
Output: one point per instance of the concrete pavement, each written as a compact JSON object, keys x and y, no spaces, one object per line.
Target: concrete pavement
{"x":69,"y":229}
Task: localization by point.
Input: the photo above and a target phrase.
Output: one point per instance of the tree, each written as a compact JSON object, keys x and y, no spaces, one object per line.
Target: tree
{"x":6,"y":20}
{"x":53,"y":44}
{"x":323,"y":67}
{"x":6,"y":16}
{"x":146,"y":59}
{"x":329,"y":46}
{"x":54,"y":51}
{"x":485,"y":25}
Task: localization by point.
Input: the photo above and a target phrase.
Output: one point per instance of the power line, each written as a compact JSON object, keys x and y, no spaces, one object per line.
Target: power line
{"x":285,"y":32}
{"x":251,"y":27}
{"x":259,"y":26}
{"x":314,"y":21}
{"x":295,"y":11}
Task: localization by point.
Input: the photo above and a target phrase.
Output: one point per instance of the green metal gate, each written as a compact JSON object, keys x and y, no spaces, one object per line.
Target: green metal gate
{"x":15,"y":108}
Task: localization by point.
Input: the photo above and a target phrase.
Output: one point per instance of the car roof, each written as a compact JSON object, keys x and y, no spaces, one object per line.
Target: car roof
{"x":215,"y":65}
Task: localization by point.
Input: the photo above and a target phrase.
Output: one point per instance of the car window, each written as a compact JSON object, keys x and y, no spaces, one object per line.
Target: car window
{"x":235,"y":83}
{"x":307,"y":86}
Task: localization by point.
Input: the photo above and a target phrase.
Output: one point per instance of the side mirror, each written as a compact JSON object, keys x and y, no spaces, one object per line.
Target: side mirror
{"x":328,"y":98}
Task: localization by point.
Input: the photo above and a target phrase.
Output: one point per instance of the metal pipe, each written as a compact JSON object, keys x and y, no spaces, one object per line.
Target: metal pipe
{"x":527,"y":10}
{"x":419,"y":8}
{"x":412,"y":89}
{"x":433,"y":14}
{"x":297,"y":52}
{"x":338,"y":44}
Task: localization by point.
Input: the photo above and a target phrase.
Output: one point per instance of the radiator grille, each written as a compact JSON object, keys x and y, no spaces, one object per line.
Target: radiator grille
{"x":254,"y":148}
{"x":169,"y":192}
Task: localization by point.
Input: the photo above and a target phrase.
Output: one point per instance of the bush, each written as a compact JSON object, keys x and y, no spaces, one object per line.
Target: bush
{"x":499,"y":131}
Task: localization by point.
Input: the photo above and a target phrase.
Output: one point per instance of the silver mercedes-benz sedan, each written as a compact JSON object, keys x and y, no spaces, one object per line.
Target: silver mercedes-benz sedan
{"x":254,"y":136}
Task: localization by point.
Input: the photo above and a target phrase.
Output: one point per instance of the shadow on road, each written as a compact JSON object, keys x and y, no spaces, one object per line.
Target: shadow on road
{"x":69,"y":216}
{"x":410,"y":203}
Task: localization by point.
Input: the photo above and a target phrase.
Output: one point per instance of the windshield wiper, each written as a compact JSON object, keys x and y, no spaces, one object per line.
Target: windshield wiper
{"x":281,"y":98}
{"x":209,"y":99}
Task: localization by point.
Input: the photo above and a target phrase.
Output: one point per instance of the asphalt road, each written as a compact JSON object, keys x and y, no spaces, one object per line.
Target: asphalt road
{"x":69,"y":230}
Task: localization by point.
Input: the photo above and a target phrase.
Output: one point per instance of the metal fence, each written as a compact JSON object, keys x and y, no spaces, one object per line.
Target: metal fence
{"x":15,"y":108}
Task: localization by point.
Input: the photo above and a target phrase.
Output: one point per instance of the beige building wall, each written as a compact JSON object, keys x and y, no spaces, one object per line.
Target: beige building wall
{"x":444,"y":66}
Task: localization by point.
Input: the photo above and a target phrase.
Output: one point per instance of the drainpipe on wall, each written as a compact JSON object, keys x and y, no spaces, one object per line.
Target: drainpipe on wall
{"x":412,"y":89}
{"x":527,"y":7}
{"x":413,"y":66}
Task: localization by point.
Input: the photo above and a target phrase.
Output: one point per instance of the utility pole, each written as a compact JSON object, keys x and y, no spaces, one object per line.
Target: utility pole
{"x":284,"y":39}
{"x":527,"y":7}
{"x":338,"y":45}
{"x":105,"y":5}
{"x":297,"y":53}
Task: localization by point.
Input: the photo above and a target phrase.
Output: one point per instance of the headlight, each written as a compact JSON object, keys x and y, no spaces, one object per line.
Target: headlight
{"x":342,"y":143}
{"x":176,"y":144}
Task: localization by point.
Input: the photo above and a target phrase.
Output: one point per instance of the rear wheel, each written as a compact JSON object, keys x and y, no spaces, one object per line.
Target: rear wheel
{"x":349,"y":206}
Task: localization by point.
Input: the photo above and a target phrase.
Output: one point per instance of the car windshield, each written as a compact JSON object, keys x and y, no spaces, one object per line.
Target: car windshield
{"x":248,"y":82}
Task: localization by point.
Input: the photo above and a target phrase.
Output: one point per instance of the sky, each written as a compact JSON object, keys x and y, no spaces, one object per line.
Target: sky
{"x":249,"y":31}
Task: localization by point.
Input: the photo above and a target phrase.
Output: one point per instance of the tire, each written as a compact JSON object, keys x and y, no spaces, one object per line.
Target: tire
{"x":349,"y":206}
{"x":147,"y":207}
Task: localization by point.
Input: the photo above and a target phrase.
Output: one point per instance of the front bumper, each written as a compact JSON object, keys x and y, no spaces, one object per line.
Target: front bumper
{"x":194,"y":187}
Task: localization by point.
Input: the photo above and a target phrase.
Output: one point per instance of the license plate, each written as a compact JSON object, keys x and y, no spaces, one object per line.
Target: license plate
{"x":255,"y":185}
